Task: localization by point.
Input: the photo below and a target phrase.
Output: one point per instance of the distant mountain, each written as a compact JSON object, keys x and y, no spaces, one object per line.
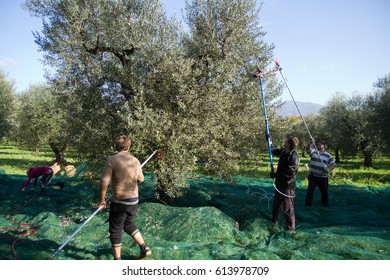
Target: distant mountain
{"x":306,"y":108}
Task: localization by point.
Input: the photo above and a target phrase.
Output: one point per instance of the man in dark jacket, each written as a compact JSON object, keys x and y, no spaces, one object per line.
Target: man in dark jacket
{"x":285,"y":182}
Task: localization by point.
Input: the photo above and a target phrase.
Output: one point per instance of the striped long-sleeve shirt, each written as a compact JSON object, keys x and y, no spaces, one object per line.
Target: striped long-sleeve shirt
{"x":318,"y":168}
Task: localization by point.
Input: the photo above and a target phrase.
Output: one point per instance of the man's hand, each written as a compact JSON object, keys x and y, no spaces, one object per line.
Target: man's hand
{"x":102,"y":205}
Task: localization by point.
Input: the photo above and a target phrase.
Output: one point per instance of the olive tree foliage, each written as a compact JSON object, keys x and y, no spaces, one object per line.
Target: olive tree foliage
{"x":347,"y":124}
{"x":119,"y":70}
{"x":123,"y":67}
{"x":336,"y":123}
{"x":40,"y":117}
{"x":379,"y":104}
{"x":160,"y":120}
{"x":83,"y":42}
{"x":8,"y":105}
{"x":365,"y":137}
{"x":314,"y":127}
{"x":224,"y":43}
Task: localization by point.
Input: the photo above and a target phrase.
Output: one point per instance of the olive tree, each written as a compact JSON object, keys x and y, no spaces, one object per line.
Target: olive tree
{"x":40,"y":117}
{"x":119,"y":70}
{"x":379,"y":107}
{"x":123,"y":67}
{"x":8,"y":104}
{"x":347,"y":121}
{"x":225,"y":42}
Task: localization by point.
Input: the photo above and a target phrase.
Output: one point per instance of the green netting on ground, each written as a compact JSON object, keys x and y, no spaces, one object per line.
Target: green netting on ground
{"x":212,"y":220}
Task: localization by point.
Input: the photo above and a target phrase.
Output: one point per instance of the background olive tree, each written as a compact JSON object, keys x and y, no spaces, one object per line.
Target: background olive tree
{"x":40,"y":118}
{"x":346,"y":121}
{"x":379,"y":104}
{"x":8,"y":105}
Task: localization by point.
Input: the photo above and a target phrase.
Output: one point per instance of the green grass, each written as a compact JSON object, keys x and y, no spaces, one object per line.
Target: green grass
{"x":355,"y":227}
{"x":348,"y":172}
{"x":15,"y":160}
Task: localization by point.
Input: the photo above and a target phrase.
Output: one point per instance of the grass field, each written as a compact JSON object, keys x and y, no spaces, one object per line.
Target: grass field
{"x":15,"y":160}
{"x":349,"y":172}
{"x":235,"y":217}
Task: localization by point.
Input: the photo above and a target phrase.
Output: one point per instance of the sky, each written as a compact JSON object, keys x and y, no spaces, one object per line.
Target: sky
{"x":323,"y":46}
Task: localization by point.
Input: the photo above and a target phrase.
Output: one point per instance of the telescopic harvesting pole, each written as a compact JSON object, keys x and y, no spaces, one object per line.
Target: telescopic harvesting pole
{"x":267,"y":132}
{"x":94,"y":213}
{"x":278,"y":68}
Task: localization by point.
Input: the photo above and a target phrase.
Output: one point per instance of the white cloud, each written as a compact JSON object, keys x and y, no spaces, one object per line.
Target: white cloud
{"x":302,"y":68}
{"x":5,"y":61}
{"x":329,"y":66}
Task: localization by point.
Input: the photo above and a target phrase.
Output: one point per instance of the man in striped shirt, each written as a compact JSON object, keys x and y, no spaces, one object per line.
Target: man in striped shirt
{"x":319,"y":167}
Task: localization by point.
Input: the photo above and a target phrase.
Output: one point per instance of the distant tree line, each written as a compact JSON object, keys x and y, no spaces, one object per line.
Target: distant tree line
{"x":124,"y":67}
{"x":357,"y":125}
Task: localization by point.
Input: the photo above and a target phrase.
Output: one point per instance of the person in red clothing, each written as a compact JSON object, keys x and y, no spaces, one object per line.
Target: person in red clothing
{"x":47,"y":173}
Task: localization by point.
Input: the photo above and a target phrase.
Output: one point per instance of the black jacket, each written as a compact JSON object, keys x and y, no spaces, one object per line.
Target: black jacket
{"x":288,"y":164}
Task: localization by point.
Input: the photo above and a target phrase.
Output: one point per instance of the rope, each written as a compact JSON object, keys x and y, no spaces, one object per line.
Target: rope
{"x":278,"y":68}
{"x":289,"y":196}
{"x":25,"y":229}
{"x":262,"y":195}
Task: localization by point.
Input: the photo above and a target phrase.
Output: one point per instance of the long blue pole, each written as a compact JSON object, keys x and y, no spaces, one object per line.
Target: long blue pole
{"x":267,"y":133}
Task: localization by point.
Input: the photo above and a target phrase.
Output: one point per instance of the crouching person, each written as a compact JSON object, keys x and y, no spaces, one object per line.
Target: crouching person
{"x":46,"y":173}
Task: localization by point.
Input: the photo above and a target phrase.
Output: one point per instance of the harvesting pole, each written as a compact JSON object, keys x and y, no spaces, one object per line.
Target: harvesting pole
{"x":267,"y":131}
{"x":94,"y":213}
{"x":278,"y":68}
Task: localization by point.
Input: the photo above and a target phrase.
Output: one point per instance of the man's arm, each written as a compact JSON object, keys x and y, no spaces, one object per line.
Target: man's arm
{"x":276,"y":152}
{"x":307,"y":148}
{"x":293,"y":166}
{"x":331,"y":163}
{"x":26,"y":184}
{"x":141,"y":177}
{"x":332,"y":166}
{"x":104,"y":181}
{"x":102,"y":193}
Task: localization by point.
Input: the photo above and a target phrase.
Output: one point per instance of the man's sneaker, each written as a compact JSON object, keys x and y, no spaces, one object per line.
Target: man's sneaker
{"x":145,"y":253}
